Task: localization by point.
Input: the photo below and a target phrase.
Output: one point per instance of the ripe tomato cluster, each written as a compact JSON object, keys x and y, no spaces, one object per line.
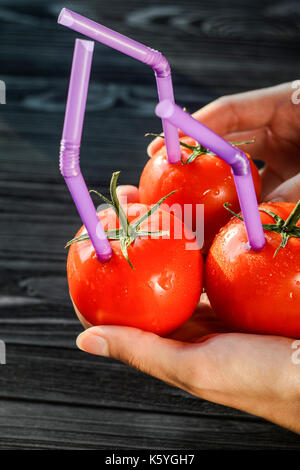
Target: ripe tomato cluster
{"x":154,"y":282}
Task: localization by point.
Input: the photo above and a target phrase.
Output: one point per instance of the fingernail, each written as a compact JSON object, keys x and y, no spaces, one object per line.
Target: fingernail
{"x":92,"y":343}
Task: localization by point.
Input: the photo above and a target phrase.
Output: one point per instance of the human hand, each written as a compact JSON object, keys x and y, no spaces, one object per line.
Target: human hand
{"x":253,"y":373}
{"x":273,"y":119}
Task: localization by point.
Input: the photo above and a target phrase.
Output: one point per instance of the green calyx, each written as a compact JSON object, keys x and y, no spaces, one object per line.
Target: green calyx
{"x":198,"y":150}
{"x":128,"y":231}
{"x":285,"y":228}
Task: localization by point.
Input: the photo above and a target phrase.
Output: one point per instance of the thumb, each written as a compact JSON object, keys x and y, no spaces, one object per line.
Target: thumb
{"x":166,"y":359}
{"x":288,"y":191}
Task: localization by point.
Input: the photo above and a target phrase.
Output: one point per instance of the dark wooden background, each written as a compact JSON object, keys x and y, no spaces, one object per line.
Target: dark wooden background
{"x":52,"y":395}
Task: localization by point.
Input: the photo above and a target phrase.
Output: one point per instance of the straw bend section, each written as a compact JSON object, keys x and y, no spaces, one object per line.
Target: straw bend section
{"x":138,"y":51}
{"x":69,"y":159}
{"x":70,"y":147}
{"x":234,"y":157}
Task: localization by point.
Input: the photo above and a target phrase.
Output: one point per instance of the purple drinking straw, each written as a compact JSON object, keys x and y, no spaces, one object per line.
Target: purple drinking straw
{"x":138,"y":51}
{"x":237,"y":159}
{"x":70,"y":146}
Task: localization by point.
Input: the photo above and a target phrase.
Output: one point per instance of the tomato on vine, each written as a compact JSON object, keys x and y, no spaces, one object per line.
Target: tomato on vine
{"x":200,"y":178}
{"x":153,"y":280}
{"x":258,"y":292}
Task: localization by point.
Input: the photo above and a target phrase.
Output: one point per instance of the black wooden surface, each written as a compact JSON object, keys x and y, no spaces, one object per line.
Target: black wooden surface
{"x":52,"y":395}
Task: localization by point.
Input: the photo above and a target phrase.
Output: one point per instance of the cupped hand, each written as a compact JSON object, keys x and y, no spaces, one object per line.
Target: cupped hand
{"x":272,"y":117}
{"x":253,"y":373}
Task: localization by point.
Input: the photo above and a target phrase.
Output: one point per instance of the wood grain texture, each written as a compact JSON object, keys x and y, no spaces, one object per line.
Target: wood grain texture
{"x":53,"y":396}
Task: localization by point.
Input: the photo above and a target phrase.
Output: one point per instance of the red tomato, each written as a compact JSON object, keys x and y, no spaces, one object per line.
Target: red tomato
{"x":158,"y":295}
{"x":207,"y":180}
{"x":254,"y":291}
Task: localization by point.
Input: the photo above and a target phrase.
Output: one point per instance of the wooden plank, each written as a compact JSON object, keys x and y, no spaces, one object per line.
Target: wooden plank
{"x":52,"y":426}
{"x":53,"y":396}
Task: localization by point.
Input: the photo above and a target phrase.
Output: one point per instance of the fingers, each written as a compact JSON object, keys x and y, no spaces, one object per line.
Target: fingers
{"x":269,"y":181}
{"x":288,"y":191}
{"x":274,"y":151}
{"x":169,"y":360}
{"x":128,"y":194}
{"x":258,"y":148}
{"x":155,"y":146}
{"x":242,"y":111}
{"x":237,"y":113}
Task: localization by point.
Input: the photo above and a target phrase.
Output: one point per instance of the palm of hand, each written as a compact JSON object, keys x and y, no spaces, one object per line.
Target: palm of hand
{"x":202,"y":324}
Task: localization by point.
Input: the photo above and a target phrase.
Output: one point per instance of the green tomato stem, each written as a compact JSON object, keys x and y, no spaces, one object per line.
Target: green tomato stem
{"x":285,"y":228}
{"x":293,"y":218}
{"x":198,"y":150}
{"x":128,"y":232}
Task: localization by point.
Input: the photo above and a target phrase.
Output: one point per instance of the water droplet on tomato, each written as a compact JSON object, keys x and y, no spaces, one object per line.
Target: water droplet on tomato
{"x":166,"y":280}
{"x":162,"y":282}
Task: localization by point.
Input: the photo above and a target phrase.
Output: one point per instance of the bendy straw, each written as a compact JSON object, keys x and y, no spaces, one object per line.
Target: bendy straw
{"x":70,"y":147}
{"x":234,"y":157}
{"x":138,"y":51}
